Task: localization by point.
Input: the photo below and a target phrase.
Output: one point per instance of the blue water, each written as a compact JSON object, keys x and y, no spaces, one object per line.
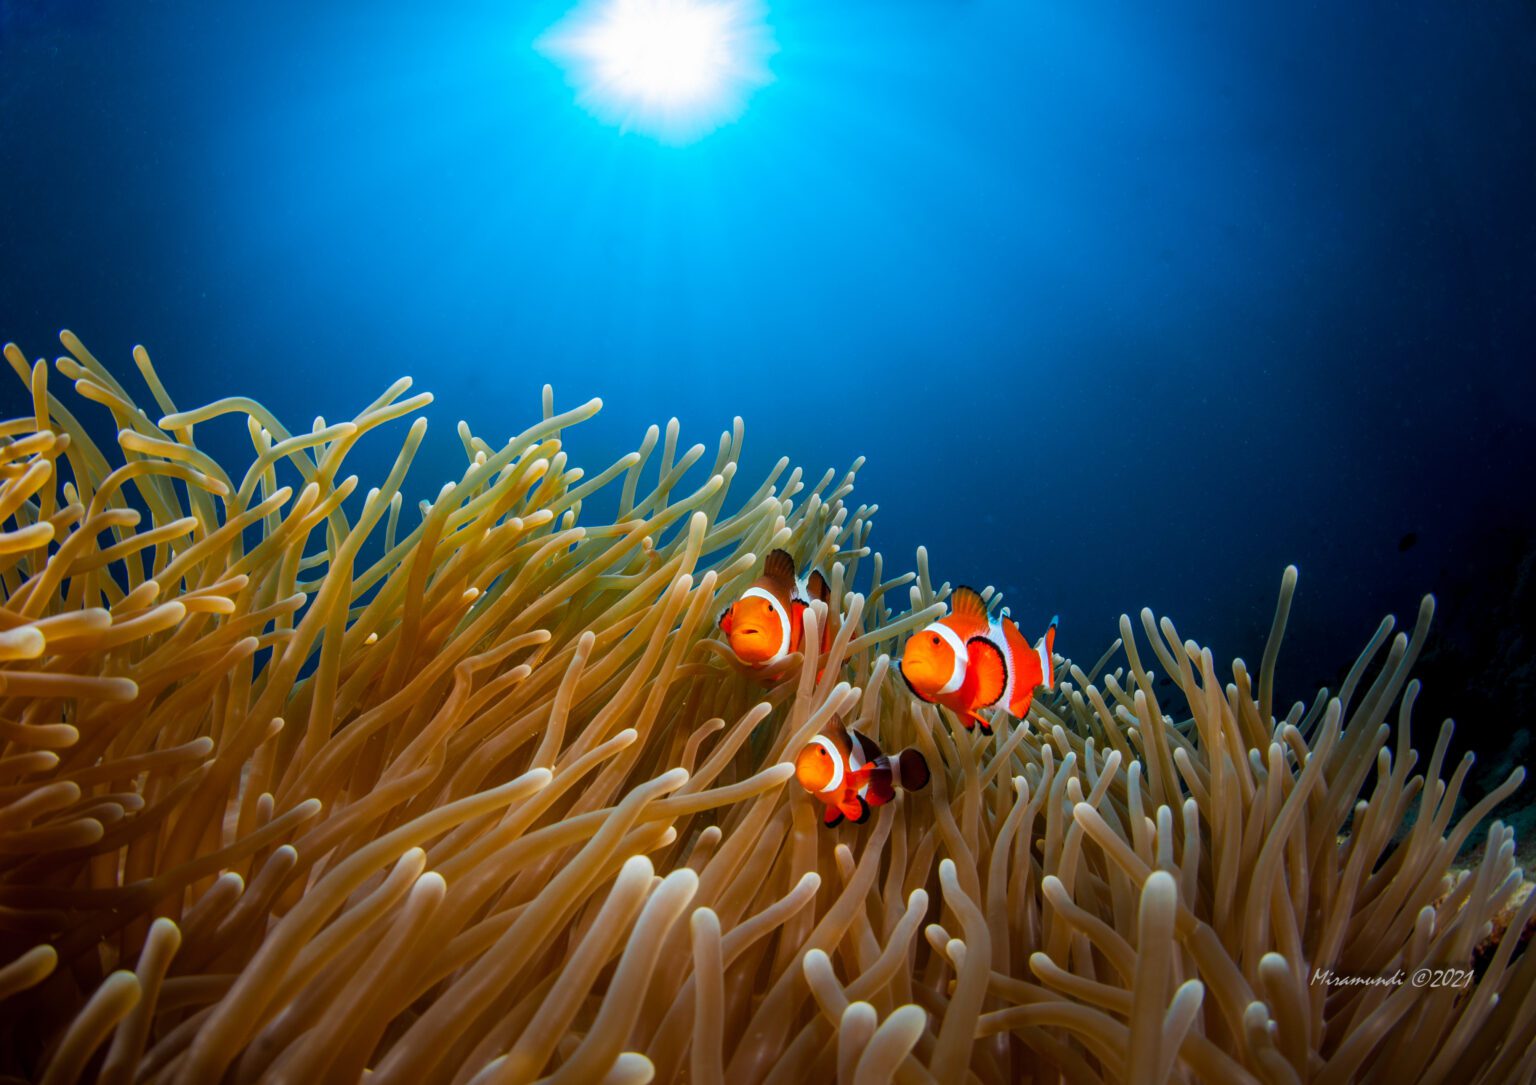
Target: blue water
{"x":1127,"y":304}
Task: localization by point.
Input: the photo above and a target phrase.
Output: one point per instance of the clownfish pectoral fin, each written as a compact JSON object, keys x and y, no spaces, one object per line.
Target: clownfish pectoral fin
{"x":985,"y":660}
{"x":856,"y":810}
{"x":832,"y":817}
{"x":819,"y":588}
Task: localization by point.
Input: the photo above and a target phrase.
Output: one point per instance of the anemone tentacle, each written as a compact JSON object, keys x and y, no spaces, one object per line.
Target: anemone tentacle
{"x":296,"y":784}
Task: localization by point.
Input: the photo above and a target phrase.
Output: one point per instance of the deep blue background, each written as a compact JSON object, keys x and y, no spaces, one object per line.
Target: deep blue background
{"x":1126,"y":303}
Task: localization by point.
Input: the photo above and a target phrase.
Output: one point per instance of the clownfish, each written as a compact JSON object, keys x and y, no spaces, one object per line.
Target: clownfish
{"x":846,"y":771}
{"x":768,"y":622}
{"x":967,"y":662}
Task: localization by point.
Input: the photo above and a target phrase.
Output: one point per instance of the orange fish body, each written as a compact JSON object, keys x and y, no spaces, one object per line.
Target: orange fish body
{"x":846,"y":771}
{"x":768,"y":622}
{"x":968,"y":662}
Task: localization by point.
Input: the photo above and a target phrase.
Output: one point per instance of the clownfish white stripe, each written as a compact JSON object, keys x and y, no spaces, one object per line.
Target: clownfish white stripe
{"x":957,"y":646}
{"x":999,"y":637}
{"x":837,"y":763}
{"x":1045,"y":665}
{"x":778,"y":610}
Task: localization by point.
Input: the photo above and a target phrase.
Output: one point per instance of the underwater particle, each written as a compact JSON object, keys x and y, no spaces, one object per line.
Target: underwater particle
{"x":672,"y":69}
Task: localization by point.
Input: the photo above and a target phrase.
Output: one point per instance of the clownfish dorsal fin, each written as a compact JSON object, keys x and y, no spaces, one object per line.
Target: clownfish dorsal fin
{"x":967,"y":612}
{"x":869,"y":750}
{"x":819,"y":588}
{"x":779,"y":571}
{"x":967,"y":603}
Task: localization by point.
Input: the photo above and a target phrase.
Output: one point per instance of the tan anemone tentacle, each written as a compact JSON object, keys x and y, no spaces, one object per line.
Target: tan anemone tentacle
{"x":305,"y":778}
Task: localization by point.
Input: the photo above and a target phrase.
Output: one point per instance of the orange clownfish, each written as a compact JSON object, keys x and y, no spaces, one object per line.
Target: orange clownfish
{"x":768,"y":622}
{"x":967,"y":662}
{"x":847,"y":771}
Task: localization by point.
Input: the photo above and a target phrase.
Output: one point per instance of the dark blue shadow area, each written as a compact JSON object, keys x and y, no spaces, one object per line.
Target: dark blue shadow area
{"x":1127,"y":304}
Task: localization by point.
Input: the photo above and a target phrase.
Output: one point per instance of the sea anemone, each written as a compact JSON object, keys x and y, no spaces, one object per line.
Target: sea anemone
{"x":295,"y":787}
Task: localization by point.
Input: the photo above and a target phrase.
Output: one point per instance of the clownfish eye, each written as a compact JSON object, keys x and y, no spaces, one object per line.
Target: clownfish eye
{"x":933,"y":639}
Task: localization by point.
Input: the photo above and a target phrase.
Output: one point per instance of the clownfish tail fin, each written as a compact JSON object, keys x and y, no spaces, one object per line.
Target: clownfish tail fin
{"x":912,"y":769}
{"x":1045,"y":647}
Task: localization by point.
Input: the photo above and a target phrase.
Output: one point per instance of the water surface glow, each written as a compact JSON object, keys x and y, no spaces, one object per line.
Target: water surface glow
{"x":672,"y":69}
